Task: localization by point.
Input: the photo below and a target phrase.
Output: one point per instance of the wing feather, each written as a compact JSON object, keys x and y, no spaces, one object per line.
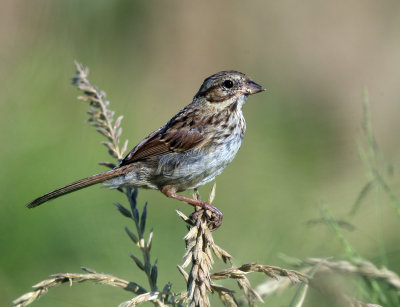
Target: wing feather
{"x":175,"y":136}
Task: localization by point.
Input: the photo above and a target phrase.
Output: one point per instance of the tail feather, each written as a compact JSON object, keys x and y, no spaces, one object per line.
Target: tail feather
{"x":77,"y":185}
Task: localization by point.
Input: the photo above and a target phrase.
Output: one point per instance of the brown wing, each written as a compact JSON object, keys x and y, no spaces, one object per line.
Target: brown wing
{"x":178,"y":135}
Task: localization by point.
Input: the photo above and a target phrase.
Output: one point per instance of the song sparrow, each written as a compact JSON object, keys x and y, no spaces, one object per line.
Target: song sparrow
{"x":189,"y":151}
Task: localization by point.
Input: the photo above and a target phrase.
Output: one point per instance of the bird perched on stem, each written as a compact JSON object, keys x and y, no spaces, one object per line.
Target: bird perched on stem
{"x":189,"y":151}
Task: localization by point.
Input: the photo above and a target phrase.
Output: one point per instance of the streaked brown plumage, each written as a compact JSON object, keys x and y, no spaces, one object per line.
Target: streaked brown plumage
{"x":190,"y":150}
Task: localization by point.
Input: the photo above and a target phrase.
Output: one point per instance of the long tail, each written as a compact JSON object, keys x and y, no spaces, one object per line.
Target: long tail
{"x":80,"y":184}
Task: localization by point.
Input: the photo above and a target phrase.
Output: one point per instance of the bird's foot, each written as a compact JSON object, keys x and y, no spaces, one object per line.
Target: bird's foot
{"x":216,"y":215}
{"x":212,"y":214}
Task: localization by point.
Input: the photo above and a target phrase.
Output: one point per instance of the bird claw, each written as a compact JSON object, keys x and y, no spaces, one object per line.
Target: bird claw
{"x":213,"y":216}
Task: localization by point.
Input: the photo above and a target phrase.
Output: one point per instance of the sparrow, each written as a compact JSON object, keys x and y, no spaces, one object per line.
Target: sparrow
{"x":187,"y":152}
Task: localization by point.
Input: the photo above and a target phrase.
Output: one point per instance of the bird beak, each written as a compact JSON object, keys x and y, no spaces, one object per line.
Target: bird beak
{"x":252,"y":88}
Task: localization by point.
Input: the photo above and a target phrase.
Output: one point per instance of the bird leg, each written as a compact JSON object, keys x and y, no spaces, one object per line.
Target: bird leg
{"x":215,"y":222}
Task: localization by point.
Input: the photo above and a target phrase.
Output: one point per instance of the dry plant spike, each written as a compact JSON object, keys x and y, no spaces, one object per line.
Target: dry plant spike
{"x":99,"y":114}
{"x":145,"y":297}
{"x":252,"y":295}
{"x":198,"y":253}
{"x":199,"y":249}
{"x":249,"y":293}
{"x":364,"y":269}
{"x":268,"y":288}
{"x":225,"y":295}
{"x":221,"y":254}
{"x":71,"y":278}
{"x":183,"y":272}
{"x":182,"y":215}
{"x":212,"y":193}
{"x":271,"y":271}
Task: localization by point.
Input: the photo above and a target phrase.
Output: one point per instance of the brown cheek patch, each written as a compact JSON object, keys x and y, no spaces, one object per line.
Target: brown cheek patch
{"x":216,"y":97}
{"x":215,"y":94}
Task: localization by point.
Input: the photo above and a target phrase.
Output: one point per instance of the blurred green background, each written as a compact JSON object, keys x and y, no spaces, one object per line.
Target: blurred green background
{"x":151,"y":57}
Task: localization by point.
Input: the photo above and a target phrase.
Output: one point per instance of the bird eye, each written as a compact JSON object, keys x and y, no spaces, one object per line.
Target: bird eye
{"x":228,"y":83}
